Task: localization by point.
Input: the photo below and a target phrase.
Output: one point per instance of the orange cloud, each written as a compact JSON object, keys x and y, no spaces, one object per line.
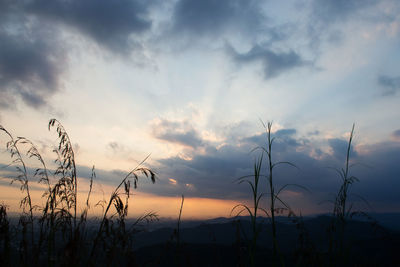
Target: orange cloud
{"x":172,"y":181}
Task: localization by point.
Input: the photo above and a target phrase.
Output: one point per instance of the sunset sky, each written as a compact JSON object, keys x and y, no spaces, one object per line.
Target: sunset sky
{"x":189,"y":82}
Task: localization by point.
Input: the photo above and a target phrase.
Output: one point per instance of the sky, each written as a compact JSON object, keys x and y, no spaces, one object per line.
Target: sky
{"x":190,"y":83}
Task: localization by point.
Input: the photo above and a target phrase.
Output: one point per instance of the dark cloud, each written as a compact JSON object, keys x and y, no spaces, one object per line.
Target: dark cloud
{"x":339,"y":148}
{"x":213,"y":17}
{"x":109,"y":23}
{"x":33,"y":53}
{"x":390,"y":85}
{"x":330,"y":11}
{"x":274,"y":63}
{"x":380,"y":180}
{"x":283,"y":140}
{"x":396,"y":135}
{"x":30,"y":60}
{"x":180,"y":132}
{"x":285,"y":132}
{"x":213,"y":173}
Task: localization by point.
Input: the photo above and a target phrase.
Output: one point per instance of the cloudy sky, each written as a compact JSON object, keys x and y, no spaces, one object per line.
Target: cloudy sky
{"x":189,"y":81}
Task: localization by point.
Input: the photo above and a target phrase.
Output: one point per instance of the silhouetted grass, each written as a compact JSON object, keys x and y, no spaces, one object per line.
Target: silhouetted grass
{"x":253,"y":211}
{"x":60,"y":236}
{"x":63,"y":236}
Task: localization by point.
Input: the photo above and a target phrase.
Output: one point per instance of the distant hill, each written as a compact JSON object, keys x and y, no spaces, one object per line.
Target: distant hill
{"x":224,"y":231}
{"x":388,"y":220}
{"x":367,"y":242}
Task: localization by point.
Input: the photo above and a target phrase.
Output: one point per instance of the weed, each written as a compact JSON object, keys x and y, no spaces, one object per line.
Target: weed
{"x":253,"y":212}
{"x":341,"y":211}
{"x":121,"y":208}
{"x":274,"y":194}
{"x":4,"y":236}
{"x":60,"y":227}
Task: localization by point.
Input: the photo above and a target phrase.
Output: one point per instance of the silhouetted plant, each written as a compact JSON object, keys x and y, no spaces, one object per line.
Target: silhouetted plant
{"x":63,"y":237}
{"x":59,"y":218}
{"x":178,"y":228}
{"x":47,"y":217}
{"x":274,"y":195}
{"x":306,"y":253}
{"x":4,"y":236}
{"x":177,"y":234}
{"x":26,"y":202}
{"x":253,"y":211}
{"x":341,"y":211}
{"x":107,"y":224}
{"x":67,"y":185}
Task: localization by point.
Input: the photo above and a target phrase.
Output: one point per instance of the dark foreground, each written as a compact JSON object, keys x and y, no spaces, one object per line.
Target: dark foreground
{"x":225,"y":242}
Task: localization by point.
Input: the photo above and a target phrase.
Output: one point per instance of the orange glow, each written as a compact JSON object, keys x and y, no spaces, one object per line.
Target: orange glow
{"x":193,"y":208}
{"x":172,"y":181}
{"x":139,"y":203}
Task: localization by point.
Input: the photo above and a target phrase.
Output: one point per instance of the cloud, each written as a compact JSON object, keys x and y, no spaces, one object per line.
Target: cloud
{"x":285,"y":132}
{"x":326,"y":18}
{"x":339,"y":148}
{"x":119,"y":151}
{"x":274,"y":63}
{"x":32,"y":49}
{"x":213,"y":17}
{"x":396,"y":136}
{"x":115,"y":147}
{"x":390,"y":85}
{"x":214,"y":172}
{"x":316,"y":132}
{"x":379,"y":182}
{"x":30,"y":61}
{"x":330,"y":11}
{"x":284,"y":140}
{"x":179,"y":132}
{"x":109,"y":23}
{"x":172,"y":181}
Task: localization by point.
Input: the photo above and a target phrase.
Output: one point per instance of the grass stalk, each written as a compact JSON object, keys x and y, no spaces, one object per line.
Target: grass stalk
{"x":341,"y":212}
{"x":5,"y":239}
{"x":118,"y":204}
{"x":253,"y":212}
{"x":274,"y":194}
{"x":67,"y":163}
{"x":178,"y":229}
{"x":22,"y":178}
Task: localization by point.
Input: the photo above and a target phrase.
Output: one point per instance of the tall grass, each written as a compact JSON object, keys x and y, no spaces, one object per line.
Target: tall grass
{"x":64,"y":237}
{"x":253,"y":211}
{"x":121,"y":207}
{"x":63,"y":234}
{"x":342,"y":211}
{"x":4,"y":236}
{"x":274,"y":193}
{"x":26,"y":203}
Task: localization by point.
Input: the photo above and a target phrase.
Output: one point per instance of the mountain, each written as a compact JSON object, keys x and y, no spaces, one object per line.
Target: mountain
{"x":225,"y":240}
